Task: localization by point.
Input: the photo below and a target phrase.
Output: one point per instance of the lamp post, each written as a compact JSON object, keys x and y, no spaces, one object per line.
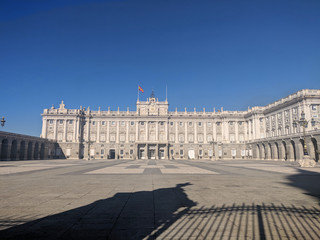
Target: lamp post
{"x":3,"y":122}
{"x":303,"y":122}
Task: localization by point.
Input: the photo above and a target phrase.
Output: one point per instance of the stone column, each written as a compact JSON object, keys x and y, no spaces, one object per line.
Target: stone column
{"x":236,"y":129}
{"x":185,"y":132}
{"x":176,"y":132}
{"x":147,"y":130}
{"x":195,"y":132}
{"x":250,"y":127}
{"x":226,"y":129}
{"x":44,"y":128}
{"x":204,"y":133}
{"x":64,"y":130}
{"x":75,"y":128}
{"x":157,"y":131}
{"x":127,"y":131}
{"x":88,"y":129}
{"x":137,"y":131}
{"x":166,"y":130}
{"x":98,"y":131}
{"x":118,"y":132}
{"x":108,"y":131}
{"x":55,"y":122}
{"x":157,"y":151}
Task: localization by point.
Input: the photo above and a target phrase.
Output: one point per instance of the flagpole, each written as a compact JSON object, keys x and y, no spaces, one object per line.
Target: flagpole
{"x":166,"y":93}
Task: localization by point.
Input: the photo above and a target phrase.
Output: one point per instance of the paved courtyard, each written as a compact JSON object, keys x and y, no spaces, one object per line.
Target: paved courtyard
{"x":158,"y":199}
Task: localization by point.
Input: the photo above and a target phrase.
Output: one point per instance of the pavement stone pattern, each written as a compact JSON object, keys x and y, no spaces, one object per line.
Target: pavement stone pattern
{"x":158,"y":199}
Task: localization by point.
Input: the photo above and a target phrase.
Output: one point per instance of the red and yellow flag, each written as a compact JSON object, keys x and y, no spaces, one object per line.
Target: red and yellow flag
{"x":140,"y":89}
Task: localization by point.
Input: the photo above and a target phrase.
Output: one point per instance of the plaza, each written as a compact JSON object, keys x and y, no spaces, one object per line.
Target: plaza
{"x":158,"y":199}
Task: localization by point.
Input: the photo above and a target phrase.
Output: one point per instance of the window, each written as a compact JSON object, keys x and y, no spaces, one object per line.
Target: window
{"x":190,"y":124}
{"x":171,"y":137}
{"x":131,"y":151}
{"x":231,"y":123}
{"x":103,"y":137}
{"x":131,"y":137}
{"x":218,"y":123}
{"x":181,"y":138}
{"x":200,"y":124}
{"x":112,"y":138}
{"x":70,"y":121}
{"x":60,"y":121}
{"x":171,"y":123}
{"x":103,"y":123}
{"x":209,"y":124}
{"x":200,"y":152}
{"x":171,"y":151}
{"x":181,"y":152}
{"x":141,"y":123}
{"x":121,"y":152}
{"x":314,"y":108}
{"x":123,"y":123}
{"x":122,"y":137}
{"x":113,"y":123}
{"x":50,"y":121}
{"x":132,"y":123}
{"x":102,"y":151}
{"x":180,"y":124}
{"x":233,"y":152}
{"x":93,"y":123}
{"x":161,"y":123}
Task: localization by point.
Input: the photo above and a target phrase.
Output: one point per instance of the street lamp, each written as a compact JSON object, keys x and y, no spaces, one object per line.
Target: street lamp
{"x":303,"y":122}
{"x":3,"y":122}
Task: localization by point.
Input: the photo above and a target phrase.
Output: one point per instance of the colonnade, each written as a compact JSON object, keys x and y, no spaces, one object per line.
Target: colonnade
{"x":287,"y":149}
{"x":22,"y":147}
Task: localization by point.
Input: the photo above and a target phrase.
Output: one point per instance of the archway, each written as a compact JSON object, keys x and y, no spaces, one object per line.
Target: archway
{"x":294,"y":150}
{"x":4,"y":149}
{"x":42,"y":151}
{"x":276,"y":153}
{"x":264,"y":153}
{"x":301,"y":149}
{"x":36,"y":151}
{"x":285,"y":153}
{"x":29,"y":153}
{"x":22,"y":150}
{"x":258,"y":152}
{"x":270,"y":151}
{"x":13,"y":153}
{"x":315,"y":147}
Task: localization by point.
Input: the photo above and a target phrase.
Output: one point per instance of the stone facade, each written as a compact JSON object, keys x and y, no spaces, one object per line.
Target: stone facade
{"x":22,"y":147}
{"x":152,"y":132}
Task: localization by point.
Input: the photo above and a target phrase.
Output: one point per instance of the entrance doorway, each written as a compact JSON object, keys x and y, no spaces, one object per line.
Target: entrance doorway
{"x":112,"y":154}
{"x":141,"y":154}
{"x":152,"y":153}
{"x":161,"y":153}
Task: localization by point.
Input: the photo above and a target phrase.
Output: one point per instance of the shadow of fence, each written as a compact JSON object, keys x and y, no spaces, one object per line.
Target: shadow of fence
{"x":243,"y":222}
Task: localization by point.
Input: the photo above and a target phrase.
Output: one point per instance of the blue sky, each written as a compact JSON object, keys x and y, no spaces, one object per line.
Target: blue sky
{"x":210,"y":54}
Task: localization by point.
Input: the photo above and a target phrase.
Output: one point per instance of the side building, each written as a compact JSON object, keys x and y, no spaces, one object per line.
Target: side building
{"x":153,"y":132}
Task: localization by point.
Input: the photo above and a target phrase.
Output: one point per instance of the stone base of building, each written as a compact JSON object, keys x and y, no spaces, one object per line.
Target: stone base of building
{"x":307,"y":162}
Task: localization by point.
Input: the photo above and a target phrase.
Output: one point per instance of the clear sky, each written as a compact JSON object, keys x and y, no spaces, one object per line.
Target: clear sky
{"x":210,"y":54}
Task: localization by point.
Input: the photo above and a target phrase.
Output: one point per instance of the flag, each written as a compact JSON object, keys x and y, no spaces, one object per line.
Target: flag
{"x":140,"y":89}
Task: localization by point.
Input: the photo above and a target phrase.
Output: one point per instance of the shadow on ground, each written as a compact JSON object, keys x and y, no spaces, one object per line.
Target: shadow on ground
{"x":308,"y":181}
{"x":168,"y":213}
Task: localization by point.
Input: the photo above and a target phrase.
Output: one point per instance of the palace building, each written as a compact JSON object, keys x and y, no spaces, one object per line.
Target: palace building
{"x":154,"y":132}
